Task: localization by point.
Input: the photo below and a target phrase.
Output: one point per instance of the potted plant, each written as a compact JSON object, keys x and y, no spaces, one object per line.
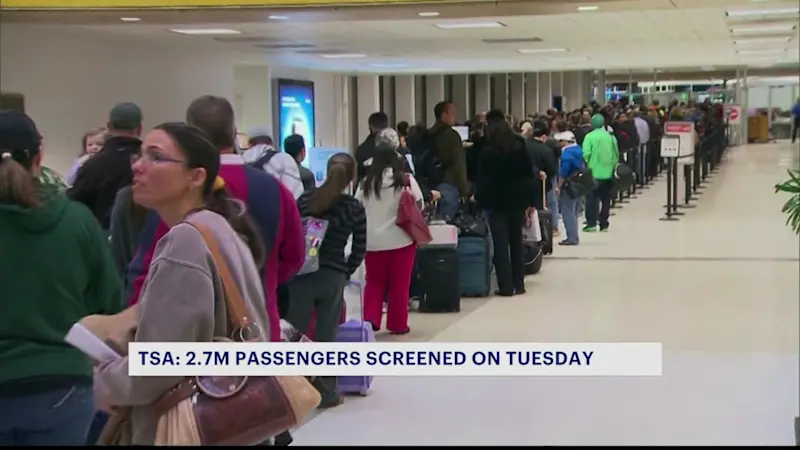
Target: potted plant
{"x":792,"y":206}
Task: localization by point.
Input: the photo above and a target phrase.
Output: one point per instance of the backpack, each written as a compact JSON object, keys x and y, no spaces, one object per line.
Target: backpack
{"x":428,"y":164}
{"x":314,"y":229}
{"x":264,"y":159}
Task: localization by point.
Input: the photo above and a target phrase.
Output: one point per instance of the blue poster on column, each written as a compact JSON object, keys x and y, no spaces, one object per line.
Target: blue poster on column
{"x":296,"y":111}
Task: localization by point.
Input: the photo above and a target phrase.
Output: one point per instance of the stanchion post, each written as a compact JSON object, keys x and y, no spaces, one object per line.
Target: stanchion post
{"x":675,"y":211}
{"x":687,"y":186}
{"x":669,"y":216}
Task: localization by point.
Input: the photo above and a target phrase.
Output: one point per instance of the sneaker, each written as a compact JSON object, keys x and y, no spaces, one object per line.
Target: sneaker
{"x":604,"y":229}
{"x":566,"y":242}
{"x":588,"y":229}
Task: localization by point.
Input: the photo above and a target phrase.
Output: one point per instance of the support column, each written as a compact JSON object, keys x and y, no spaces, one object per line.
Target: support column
{"x":570,"y":90}
{"x":368,"y":101}
{"x":434,"y":93}
{"x":531,"y":93}
{"x":253,"y":110}
{"x":461,"y":98}
{"x":545,"y":92}
{"x":404,"y":99}
{"x":588,"y":84}
{"x":744,"y":104}
{"x":500,"y":91}
{"x":600,"y":86}
{"x":516,"y":95}
{"x":420,"y":112}
{"x":557,"y":85}
{"x":482,"y":94}
{"x":387,"y":106}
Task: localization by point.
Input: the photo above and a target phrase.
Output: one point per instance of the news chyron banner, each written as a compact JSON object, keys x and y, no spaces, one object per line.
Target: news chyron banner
{"x":185,"y":4}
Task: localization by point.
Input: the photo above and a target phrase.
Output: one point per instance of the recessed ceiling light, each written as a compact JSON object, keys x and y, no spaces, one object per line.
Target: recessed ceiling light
{"x":779,"y":40}
{"x":428,"y":14}
{"x":764,"y":12}
{"x":129,"y":19}
{"x":465,"y":25}
{"x":343,"y":55}
{"x":588,"y":8}
{"x":206,"y":31}
{"x":763,"y":29}
{"x":278,"y":17}
{"x":532,"y":51}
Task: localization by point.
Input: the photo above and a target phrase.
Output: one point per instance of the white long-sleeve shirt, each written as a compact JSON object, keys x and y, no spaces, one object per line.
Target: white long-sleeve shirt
{"x":382,"y":230}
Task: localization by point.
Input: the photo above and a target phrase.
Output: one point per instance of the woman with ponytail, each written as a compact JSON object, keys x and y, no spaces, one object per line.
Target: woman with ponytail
{"x":55,"y":269}
{"x":176,"y":175}
{"x":321,"y":291}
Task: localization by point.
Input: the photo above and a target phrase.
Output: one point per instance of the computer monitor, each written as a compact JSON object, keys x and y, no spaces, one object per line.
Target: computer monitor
{"x":463,"y":132}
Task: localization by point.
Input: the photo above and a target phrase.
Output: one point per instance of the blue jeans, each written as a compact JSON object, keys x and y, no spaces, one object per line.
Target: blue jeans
{"x":570,"y":208}
{"x":552,"y":205}
{"x":448,"y":204}
{"x":60,"y":417}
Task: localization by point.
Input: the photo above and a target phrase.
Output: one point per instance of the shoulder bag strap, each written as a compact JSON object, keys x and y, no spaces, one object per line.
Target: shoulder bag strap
{"x":237,"y":311}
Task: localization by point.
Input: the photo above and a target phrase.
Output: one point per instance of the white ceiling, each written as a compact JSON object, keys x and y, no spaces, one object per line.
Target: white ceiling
{"x":637,"y":35}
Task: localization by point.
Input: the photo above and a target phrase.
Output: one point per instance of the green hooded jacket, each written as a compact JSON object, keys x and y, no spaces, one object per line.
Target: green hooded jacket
{"x":57,"y":269}
{"x":600,"y":150}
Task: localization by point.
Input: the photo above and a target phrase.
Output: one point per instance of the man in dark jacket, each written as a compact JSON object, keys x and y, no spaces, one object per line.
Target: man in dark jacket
{"x":377,"y":121}
{"x":542,"y":159}
{"x":102,"y":176}
{"x":449,"y":148}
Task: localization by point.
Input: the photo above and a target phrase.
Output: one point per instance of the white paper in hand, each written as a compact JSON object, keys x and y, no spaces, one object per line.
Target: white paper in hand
{"x":81,"y":338}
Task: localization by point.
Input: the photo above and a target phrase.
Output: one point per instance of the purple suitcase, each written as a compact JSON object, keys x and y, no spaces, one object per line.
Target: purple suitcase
{"x":355,"y":330}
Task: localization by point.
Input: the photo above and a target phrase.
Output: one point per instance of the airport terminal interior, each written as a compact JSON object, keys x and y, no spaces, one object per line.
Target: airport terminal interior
{"x":719,"y":286}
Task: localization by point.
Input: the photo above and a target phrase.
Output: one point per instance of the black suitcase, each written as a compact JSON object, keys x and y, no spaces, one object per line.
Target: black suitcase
{"x":546,"y":225}
{"x":533,"y":257}
{"x":436,"y":279}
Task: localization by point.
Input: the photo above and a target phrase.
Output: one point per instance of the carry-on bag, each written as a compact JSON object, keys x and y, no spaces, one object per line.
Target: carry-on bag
{"x":360,"y":331}
{"x":437,"y":270}
{"x":475,"y":266}
{"x":546,"y":226}
{"x":533,"y":257}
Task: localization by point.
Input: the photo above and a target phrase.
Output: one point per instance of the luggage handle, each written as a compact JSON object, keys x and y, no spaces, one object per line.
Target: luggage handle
{"x":544,"y":193}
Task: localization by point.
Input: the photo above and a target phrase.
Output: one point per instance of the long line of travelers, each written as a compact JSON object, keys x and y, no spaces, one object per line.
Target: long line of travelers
{"x":122,"y":238}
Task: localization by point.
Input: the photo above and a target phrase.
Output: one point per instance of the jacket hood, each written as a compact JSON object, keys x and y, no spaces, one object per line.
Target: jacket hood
{"x":598,"y":121}
{"x":39,"y":219}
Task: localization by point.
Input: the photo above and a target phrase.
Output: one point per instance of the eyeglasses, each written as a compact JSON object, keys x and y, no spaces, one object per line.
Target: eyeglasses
{"x":155,"y":158}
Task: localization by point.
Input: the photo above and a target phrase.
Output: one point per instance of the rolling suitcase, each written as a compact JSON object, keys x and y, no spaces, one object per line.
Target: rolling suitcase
{"x":355,"y":330}
{"x":474,"y":266}
{"x":434,"y":279}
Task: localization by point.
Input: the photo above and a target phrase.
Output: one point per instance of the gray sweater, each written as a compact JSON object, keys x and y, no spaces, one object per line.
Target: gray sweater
{"x":182,"y":301}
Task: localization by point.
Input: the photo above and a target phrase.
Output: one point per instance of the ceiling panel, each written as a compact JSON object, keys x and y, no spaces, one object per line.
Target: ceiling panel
{"x":624,"y":35}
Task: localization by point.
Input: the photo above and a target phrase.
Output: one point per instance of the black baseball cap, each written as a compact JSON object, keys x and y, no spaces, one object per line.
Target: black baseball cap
{"x":19,"y":135}
{"x":125,"y":116}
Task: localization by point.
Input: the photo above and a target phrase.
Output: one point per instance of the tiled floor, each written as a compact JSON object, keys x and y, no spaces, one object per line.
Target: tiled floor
{"x":720,"y":289}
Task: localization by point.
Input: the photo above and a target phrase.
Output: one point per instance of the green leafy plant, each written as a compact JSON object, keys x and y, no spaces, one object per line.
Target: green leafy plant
{"x":792,"y":206}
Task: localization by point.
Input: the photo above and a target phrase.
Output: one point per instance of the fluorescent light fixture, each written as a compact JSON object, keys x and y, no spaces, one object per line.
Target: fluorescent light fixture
{"x":343,"y":55}
{"x":588,"y":8}
{"x":278,"y":17}
{"x":764,"y":12}
{"x":533,"y":51}
{"x":389,"y":66}
{"x":468,"y":25}
{"x":779,"y":40}
{"x":206,"y":31}
{"x":428,"y":14}
{"x":766,"y":29}
{"x":761,"y":51}
{"x":130,"y":19}
{"x":707,"y":68}
{"x":569,"y":59}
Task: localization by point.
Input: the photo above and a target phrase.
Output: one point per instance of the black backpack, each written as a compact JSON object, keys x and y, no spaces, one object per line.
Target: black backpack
{"x":428,"y":165}
{"x":264,"y":159}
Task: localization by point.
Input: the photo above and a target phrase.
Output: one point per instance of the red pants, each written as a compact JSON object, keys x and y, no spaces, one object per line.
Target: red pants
{"x":389,"y":277}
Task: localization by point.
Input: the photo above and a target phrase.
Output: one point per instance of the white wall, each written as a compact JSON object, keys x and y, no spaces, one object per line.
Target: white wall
{"x":71,"y":79}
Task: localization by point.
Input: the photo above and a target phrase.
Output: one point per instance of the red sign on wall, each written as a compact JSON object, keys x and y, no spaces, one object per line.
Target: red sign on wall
{"x":678,"y":127}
